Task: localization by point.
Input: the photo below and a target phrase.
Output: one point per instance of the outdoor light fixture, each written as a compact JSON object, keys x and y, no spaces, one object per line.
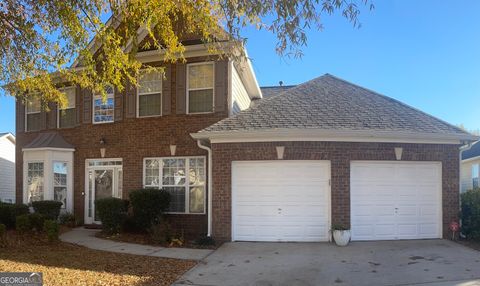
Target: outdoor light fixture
{"x":280,"y":151}
{"x":398,"y":153}
{"x":173,"y":149}
{"x":103,"y":149}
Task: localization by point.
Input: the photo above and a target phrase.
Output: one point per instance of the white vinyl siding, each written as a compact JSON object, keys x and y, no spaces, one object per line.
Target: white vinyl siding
{"x":200,"y":87}
{"x":149,"y":92}
{"x":7,"y":170}
{"x":67,"y":115}
{"x":240,"y":98}
{"x":466,"y":173}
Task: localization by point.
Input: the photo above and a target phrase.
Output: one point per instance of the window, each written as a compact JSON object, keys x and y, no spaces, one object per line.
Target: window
{"x":35,"y":181}
{"x":200,"y":81}
{"x":33,"y":114}
{"x":67,"y":115}
{"x":60,"y":183}
{"x":475,"y":175}
{"x":103,"y":111}
{"x":183,"y":178}
{"x":150,"y":94}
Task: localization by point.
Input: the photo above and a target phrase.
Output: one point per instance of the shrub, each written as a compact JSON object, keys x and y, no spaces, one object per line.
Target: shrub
{"x":51,"y":229}
{"x":337,"y":226}
{"x":112,"y":212}
{"x":36,"y":221}
{"x":8,"y":213}
{"x":161,"y":232}
{"x":22,"y":224}
{"x":205,"y":241}
{"x":49,"y":209}
{"x":67,"y":219}
{"x":148,"y":205}
{"x":471,"y":214}
{"x":3,"y":235}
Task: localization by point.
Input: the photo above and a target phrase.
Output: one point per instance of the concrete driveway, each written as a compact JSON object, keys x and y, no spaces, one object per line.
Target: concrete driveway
{"x":420,"y":262}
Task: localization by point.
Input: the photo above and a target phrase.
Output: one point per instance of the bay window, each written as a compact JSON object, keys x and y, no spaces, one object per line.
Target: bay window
{"x":33,"y":110}
{"x":200,"y":91}
{"x":103,"y":110}
{"x":35,"y":181}
{"x":60,"y":182}
{"x":67,"y":115}
{"x":149,"y":94}
{"x":182,"y":177}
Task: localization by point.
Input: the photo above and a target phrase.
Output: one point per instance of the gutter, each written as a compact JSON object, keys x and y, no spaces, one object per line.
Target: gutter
{"x":209,"y":179}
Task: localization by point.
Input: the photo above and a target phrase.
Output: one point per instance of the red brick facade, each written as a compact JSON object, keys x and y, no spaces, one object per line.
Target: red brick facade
{"x":340,"y":154}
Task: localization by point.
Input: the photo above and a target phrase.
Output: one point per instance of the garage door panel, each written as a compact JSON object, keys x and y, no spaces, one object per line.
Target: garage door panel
{"x":282,"y":201}
{"x":413,"y":193}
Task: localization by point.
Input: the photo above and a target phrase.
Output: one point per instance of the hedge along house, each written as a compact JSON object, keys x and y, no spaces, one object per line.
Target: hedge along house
{"x":328,"y":151}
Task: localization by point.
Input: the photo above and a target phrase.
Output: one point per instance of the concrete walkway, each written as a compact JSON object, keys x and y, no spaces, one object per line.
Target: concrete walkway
{"x":86,"y":237}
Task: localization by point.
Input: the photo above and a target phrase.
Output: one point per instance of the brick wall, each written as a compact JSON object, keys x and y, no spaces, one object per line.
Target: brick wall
{"x":131,"y":139}
{"x":340,"y":154}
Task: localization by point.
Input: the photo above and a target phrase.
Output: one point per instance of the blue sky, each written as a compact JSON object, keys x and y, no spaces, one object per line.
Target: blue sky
{"x":424,"y":53}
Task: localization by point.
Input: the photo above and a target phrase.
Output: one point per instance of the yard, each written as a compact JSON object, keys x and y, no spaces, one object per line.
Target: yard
{"x":66,"y":264}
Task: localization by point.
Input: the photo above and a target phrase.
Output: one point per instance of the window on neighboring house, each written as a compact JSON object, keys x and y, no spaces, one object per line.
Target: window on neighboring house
{"x":35,"y":181}
{"x":200,"y":82}
{"x":183,"y":178}
{"x":33,"y":114}
{"x":475,"y":175}
{"x":150,"y":94}
{"x":60,"y":182}
{"x":67,"y":115}
{"x":103,"y":110}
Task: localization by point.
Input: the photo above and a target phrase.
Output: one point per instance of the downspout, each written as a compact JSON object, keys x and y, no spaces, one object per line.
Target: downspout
{"x":209,"y":191}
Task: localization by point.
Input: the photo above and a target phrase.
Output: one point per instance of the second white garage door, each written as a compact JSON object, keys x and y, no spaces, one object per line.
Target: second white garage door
{"x":280,"y":200}
{"x":396,"y":200}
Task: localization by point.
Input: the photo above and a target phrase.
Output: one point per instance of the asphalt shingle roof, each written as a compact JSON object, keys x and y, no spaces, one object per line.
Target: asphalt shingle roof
{"x":330,"y":103}
{"x":269,"y":91}
{"x":474,"y":151}
{"x":49,"y":140}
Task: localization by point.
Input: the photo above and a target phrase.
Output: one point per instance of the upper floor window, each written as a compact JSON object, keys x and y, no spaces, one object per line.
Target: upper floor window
{"x":33,"y":114}
{"x":67,"y":115}
{"x":200,"y":82}
{"x":475,"y":175}
{"x":150,"y":94}
{"x":103,"y":110}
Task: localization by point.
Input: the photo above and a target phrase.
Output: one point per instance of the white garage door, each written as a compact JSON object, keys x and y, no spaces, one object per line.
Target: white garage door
{"x":396,"y":200}
{"x":280,"y":200}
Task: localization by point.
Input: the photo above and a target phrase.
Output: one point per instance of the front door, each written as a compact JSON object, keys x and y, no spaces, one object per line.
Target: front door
{"x":104,"y":180}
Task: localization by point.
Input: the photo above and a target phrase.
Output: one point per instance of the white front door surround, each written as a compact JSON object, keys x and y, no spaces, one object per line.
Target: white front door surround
{"x":281,"y":200}
{"x":395,"y":200}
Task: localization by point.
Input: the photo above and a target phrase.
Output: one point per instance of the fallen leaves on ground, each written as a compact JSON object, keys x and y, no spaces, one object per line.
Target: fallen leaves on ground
{"x":66,"y":264}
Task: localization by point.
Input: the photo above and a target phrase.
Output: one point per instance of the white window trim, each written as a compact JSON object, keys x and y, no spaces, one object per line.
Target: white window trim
{"x":187,"y":185}
{"x":147,"y":93}
{"x":53,"y":180}
{"x":93,"y":108}
{"x":193,"y":89}
{"x":60,"y":109}
{"x":27,"y":113}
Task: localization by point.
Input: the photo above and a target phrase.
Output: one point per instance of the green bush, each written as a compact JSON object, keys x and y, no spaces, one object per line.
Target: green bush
{"x":148,"y":205}
{"x":3,"y":235}
{"x":51,"y":229}
{"x":67,"y":219}
{"x":8,"y":213}
{"x":161,"y":232}
{"x":471,"y":214}
{"x":36,"y":221}
{"x":22,"y":224}
{"x":112,"y":212}
{"x":49,"y":209}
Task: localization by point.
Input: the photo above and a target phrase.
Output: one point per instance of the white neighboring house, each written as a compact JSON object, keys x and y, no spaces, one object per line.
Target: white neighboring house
{"x":470,"y":168}
{"x":7,"y":168}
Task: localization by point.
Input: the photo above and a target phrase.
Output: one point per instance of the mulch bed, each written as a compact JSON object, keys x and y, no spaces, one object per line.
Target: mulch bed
{"x":66,"y":264}
{"x":144,"y":238}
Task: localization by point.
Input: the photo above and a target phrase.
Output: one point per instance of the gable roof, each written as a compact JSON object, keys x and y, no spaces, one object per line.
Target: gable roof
{"x":9,"y":136}
{"x":473,"y":152}
{"x":269,"y":91}
{"x":50,"y":140}
{"x":330,"y":104}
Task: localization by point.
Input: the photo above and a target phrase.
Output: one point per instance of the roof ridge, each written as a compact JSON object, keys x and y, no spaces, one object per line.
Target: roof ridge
{"x":277,"y":86}
{"x":396,"y":101}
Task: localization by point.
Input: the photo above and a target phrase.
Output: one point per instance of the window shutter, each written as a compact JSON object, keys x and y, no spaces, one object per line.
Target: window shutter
{"x":52,"y":116}
{"x":78,"y":105}
{"x":87,"y":106}
{"x":118,"y":103}
{"x":43,"y":119}
{"x":181,"y":94}
{"x":131,"y":101}
{"x":221,"y":85}
{"x":20,"y":116}
{"x":167,"y":91}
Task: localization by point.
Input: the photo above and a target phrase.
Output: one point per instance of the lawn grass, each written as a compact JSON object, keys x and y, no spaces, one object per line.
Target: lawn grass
{"x":66,"y":264}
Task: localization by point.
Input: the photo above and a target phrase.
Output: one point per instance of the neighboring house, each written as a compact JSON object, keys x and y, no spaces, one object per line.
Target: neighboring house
{"x":325,"y":151}
{"x":7,"y":168}
{"x":470,"y":167}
